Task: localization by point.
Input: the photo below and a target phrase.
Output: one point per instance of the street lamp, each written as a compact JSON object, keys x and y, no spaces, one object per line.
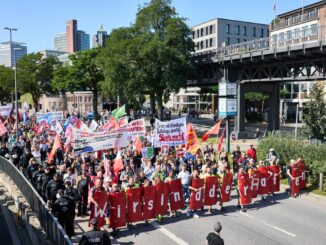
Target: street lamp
{"x":15,"y":67}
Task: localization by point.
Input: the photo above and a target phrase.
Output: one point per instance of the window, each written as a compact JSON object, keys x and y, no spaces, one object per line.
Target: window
{"x":244,"y":40}
{"x":206,"y":30}
{"x":237,"y":30}
{"x":313,"y":29}
{"x":267,"y":31}
{"x":206,"y":44}
{"x":201,"y":45}
{"x":288,"y":35}
{"x":211,"y":29}
{"x":193,"y":34}
{"x":281,"y":37}
{"x":296,"y":33}
{"x":227,"y":41}
{"x":198,"y":33}
{"x":296,"y":19}
{"x":261,"y":32}
{"x":305,"y":31}
{"x":238,"y":40}
{"x":287,"y":21}
{"x":202,"y":32}
{"x":227,"y":29}
{"x":254,"y":31}
{"x":245,"y":31}
{"x":211,"y":42}
{"x":295,"y":88}
{"x":274,"y":38}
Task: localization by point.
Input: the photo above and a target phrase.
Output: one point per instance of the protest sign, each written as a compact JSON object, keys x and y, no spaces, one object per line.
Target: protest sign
{"x":170,"y":133}
{"x":5,"y":110}
{"x":49,"y":117}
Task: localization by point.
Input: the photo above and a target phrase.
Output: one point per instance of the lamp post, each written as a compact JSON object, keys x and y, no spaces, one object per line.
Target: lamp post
{"x":12,"y":50}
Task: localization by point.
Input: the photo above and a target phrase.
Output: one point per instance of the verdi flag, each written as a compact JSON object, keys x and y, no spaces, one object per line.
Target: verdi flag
{"x":119,"y":112}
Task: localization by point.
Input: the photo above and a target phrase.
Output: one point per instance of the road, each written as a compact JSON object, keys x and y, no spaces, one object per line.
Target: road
{"x":278,"y":220}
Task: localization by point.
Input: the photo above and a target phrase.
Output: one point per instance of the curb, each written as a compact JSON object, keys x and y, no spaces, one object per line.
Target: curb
{"x":309,"y":195}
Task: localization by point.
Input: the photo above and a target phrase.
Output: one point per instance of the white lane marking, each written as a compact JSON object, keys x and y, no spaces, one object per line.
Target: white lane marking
{"x":265,"y":223}
{"x":168,"y":233}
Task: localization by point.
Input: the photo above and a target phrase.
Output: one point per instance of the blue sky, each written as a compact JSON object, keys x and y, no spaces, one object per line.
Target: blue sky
{"x":38,"y":21}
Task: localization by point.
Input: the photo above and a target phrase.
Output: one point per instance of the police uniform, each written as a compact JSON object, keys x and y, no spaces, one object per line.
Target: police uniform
{"x":95,"y":237}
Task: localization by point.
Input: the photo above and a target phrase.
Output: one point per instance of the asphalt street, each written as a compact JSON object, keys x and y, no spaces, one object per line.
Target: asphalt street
{"x":278,"y":220}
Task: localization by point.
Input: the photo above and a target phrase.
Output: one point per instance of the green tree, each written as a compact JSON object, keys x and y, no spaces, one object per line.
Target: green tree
{"x":165,"y":51}
{"x":6,"y":84}
{"x":257,"y":97}
{"x":35,"y":75}
{"x":83,"y":73}
{"x":314,"y":113}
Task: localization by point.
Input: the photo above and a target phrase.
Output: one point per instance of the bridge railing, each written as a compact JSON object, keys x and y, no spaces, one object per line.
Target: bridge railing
{"x":50,"y":223}
{"x":285,"y":39}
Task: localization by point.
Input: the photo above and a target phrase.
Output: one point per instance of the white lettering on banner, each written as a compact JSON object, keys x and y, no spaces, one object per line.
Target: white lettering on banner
{"x":98,"y":211}
{"x":53,"y":116}
{"x":303,"y":176}
{"x":211,"y":192}
{"x":198,"y":196}
{"x":170,"y":133}
{"x":134,"y":206}
{"x":297,"y":181}
{"x":263,"y":182}
{"x":254,"y":182}
{"x":176,"y":196}
{"x":150,"y":204}
{"x":227,"y":189}
{"x":162,"y":199}
{"x":245,"y":190}
{"x":119,"y":212}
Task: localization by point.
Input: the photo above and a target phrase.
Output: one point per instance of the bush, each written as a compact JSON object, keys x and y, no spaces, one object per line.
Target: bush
{"x":288,"y":148}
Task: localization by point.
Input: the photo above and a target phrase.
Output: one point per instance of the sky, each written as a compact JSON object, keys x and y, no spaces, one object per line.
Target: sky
{"x":38,"y":21}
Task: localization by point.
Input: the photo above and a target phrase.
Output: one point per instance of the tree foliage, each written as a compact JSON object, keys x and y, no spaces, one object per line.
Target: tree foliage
{"x":156,"y":59}
{"x":35,"y":74}
{"x":6,"y":83}
{"x":314,"y":113}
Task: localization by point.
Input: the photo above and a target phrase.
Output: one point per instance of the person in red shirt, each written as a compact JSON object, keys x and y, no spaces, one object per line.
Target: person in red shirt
{"x":251,"y":152}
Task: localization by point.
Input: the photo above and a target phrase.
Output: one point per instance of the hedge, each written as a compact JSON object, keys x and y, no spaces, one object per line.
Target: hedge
{"x":288,"y":148}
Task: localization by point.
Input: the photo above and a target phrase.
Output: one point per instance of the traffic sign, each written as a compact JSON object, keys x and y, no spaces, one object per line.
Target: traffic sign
{"x":227,"y":107}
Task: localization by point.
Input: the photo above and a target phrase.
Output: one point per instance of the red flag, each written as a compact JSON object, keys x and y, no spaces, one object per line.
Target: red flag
{"x":3,"y":129}
{"x":176,"y":200}
{"x":118,"y":164}
{"x":110,"y":125}
{"x":117,"y":209}
{"x":214,"y":130}
{"x":221,"y":140}
{"x":244,"y":188}
{"x":98,"y":212}
{"x":137,"y":144}
{"x":78,"y":123}
{"x":192,"y":144}
{"x":56,"y":145}
{"x":211,"y":188}
{"x":134,"y":205}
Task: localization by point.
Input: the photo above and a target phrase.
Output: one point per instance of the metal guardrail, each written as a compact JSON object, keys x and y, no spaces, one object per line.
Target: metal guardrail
{"x":285,"y":39}
{"x":50,"y":223}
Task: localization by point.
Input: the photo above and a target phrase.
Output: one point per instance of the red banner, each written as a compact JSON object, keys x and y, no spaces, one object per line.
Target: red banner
{"x":134,"y":205}
{"x":274,"y":179}
{"x":302,"y":169}
{"x":211,"y":188}
{"x":296,"y":180}
{"x":226,"y":187}
{"x":176,"y":196}
{"x":161,"y":198}
{"x":98,"y":212}
{"x":263,"y":187}
{"x":196,"y":197}
{"x":255,"y":180}
{"x":244,"y":189}
{"x":148,"y":202}
{"x":117,"y":209}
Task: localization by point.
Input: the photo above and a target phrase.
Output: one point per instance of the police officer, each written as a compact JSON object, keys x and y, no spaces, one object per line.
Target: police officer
{"x":73,"y":194}
{"x":62,"y":208}
{"x":52,"y":188}
{"x":46,"y":177}
{"x":36,"y":178}
{"x":95,"y":236}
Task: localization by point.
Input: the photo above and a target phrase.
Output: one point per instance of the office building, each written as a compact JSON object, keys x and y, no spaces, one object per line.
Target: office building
{"x":8,"y":52}
{"x":99,"y":39}
{"x":47,"y":53}
{"x":71,"y":36}
{"x":300,"y":25}
{"x":218,"y":32}
{"x":83,"y":40}
{"x":60,"y":43}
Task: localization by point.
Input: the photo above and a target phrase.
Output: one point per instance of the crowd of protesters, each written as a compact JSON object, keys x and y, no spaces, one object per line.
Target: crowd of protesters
{"x":66,"y":181}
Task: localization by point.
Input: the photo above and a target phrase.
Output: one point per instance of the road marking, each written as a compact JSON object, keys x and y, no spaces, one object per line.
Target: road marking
{"x":265,"y":223}
{"x":168,"y":233}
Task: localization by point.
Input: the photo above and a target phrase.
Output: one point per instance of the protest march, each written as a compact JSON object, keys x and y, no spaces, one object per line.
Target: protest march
{"x":121,"y":171}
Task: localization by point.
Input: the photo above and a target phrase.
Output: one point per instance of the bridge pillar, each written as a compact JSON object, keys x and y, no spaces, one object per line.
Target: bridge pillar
{"x":240,"y":118}
{"x":274,"y":108}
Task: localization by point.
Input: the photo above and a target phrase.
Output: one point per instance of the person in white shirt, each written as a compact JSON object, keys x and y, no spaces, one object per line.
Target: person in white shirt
{"x":185,"y":177}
